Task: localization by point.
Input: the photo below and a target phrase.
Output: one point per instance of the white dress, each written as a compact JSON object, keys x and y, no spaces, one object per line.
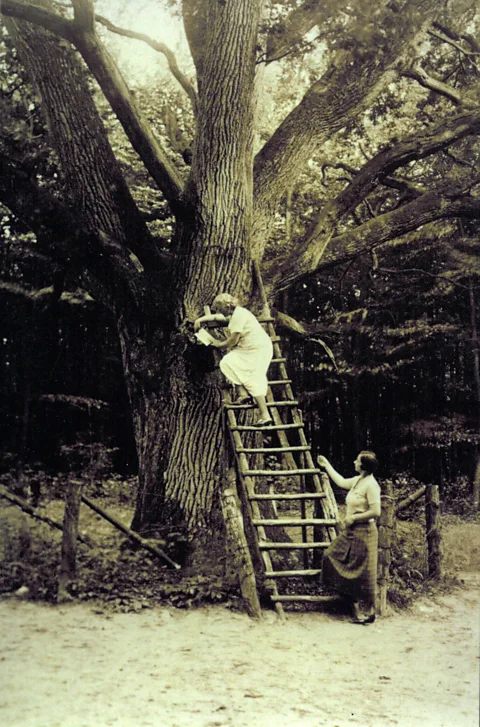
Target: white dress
{"x":247,"y":363}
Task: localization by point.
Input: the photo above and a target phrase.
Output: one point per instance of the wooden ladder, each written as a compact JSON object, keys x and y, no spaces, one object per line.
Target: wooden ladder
{"x":290,"y":503}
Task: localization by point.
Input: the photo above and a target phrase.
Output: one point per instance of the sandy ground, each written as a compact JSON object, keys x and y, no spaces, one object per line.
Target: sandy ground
{"x":71,"y":667}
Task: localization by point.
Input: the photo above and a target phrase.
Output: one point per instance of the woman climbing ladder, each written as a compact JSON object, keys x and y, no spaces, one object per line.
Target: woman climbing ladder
{"x":251,"y":350}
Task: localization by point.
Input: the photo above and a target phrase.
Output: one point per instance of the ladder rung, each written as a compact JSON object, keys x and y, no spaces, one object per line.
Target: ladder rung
{"x":232,"y":405}
{"x":300,"y":496}
{"x":288,"y":402}
{"x":307,"y":599}
{"x":279,"y":473}
{"x":272,"y":450}
{"x":275,"y":339}
{"x":266,"y":320}
{"x":292,"y":573}
{"x":278,"y":360}
{"x":279,"y":382}
{"x":294,"y":522}
{"x":270,"y":545}
{"x":270,"y":427}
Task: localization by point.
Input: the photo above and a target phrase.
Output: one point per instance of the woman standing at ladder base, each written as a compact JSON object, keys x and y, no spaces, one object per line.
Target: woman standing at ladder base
{"x":350,"y":562}
{"x":249,"y":356}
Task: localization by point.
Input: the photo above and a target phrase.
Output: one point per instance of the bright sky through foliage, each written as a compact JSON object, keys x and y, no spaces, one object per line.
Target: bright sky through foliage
{"x":140,"y":61}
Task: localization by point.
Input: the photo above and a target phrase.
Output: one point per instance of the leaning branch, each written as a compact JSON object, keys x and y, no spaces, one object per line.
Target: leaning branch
{"x":131,"y":534}
{"x":306,"y":257}
{"x":429,"y":207}
{"x":417,"y":73}
{"x":26,"y":507}
{"x":403,"y":504}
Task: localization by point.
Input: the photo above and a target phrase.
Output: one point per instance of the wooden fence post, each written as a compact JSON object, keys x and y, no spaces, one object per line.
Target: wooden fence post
{"x":68,"y":563}
{"x":386,"y":525}
{"x":434,"y":538}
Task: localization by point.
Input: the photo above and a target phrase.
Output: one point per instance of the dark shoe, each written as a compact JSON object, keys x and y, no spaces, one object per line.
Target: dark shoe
{"x":263,"y":422}
{"x":364,"y":621}
{"x":243,"y":400}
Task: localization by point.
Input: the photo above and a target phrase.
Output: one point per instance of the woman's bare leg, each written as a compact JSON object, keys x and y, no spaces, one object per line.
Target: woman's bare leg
{"x":262,"y":407}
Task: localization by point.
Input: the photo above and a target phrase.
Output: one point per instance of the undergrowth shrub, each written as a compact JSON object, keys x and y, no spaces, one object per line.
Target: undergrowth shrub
{"x":29,"y":556}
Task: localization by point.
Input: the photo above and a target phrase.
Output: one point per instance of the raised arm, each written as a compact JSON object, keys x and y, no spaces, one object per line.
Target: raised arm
{"x":210,"y":318}
{"x":334,"y":475}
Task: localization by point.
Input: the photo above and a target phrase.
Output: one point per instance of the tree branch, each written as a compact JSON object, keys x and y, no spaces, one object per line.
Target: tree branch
{"x":84,"y":15}
{"x":348,"y":87}
{"x":429,"y":207}
{"x":195,"y":14}
{"x":407,"y":271}
{"x":39,"y":16}
{"x":400,"y":183}
{"x":307,"y":255}
{"x":451,"y":41}
{"x":160,"y":48}
{"x":418,"y":74}
{"x":112,"y":83}
{"x":291,"y":30}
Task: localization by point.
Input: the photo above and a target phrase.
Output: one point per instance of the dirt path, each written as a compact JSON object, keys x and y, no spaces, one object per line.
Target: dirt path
{"x":71,"y":667}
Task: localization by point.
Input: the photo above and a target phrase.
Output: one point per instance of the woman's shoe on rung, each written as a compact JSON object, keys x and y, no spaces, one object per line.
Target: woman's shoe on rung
{"x":245,"y":399}
{"x":263,"y":422}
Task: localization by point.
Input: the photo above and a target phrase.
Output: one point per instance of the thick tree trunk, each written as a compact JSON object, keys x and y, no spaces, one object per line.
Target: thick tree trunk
{"x":91,"y":171}
{"x":175,"y":397}
{"x":215,"y":241}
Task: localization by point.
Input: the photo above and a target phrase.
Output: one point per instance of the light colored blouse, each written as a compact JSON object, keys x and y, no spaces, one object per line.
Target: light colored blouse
{"x":252,"y":334}
{"x":363,"y":493}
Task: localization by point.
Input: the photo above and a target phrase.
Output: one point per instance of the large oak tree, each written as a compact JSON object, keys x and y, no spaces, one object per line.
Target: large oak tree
{"x":225,"y":204}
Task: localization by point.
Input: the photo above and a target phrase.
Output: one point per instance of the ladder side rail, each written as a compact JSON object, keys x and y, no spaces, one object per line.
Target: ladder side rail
{"x":270,"y":584}
{"x":247,"y":488}
{"x":236,"y":439}
{"x":303,"y":513}
{"x":298,"y":418}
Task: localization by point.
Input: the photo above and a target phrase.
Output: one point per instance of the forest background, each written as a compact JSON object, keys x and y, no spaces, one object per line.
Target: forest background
{"x":378,"y":308}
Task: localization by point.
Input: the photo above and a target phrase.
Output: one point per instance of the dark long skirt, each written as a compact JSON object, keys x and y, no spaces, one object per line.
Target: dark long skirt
{"x":350,"y":563}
